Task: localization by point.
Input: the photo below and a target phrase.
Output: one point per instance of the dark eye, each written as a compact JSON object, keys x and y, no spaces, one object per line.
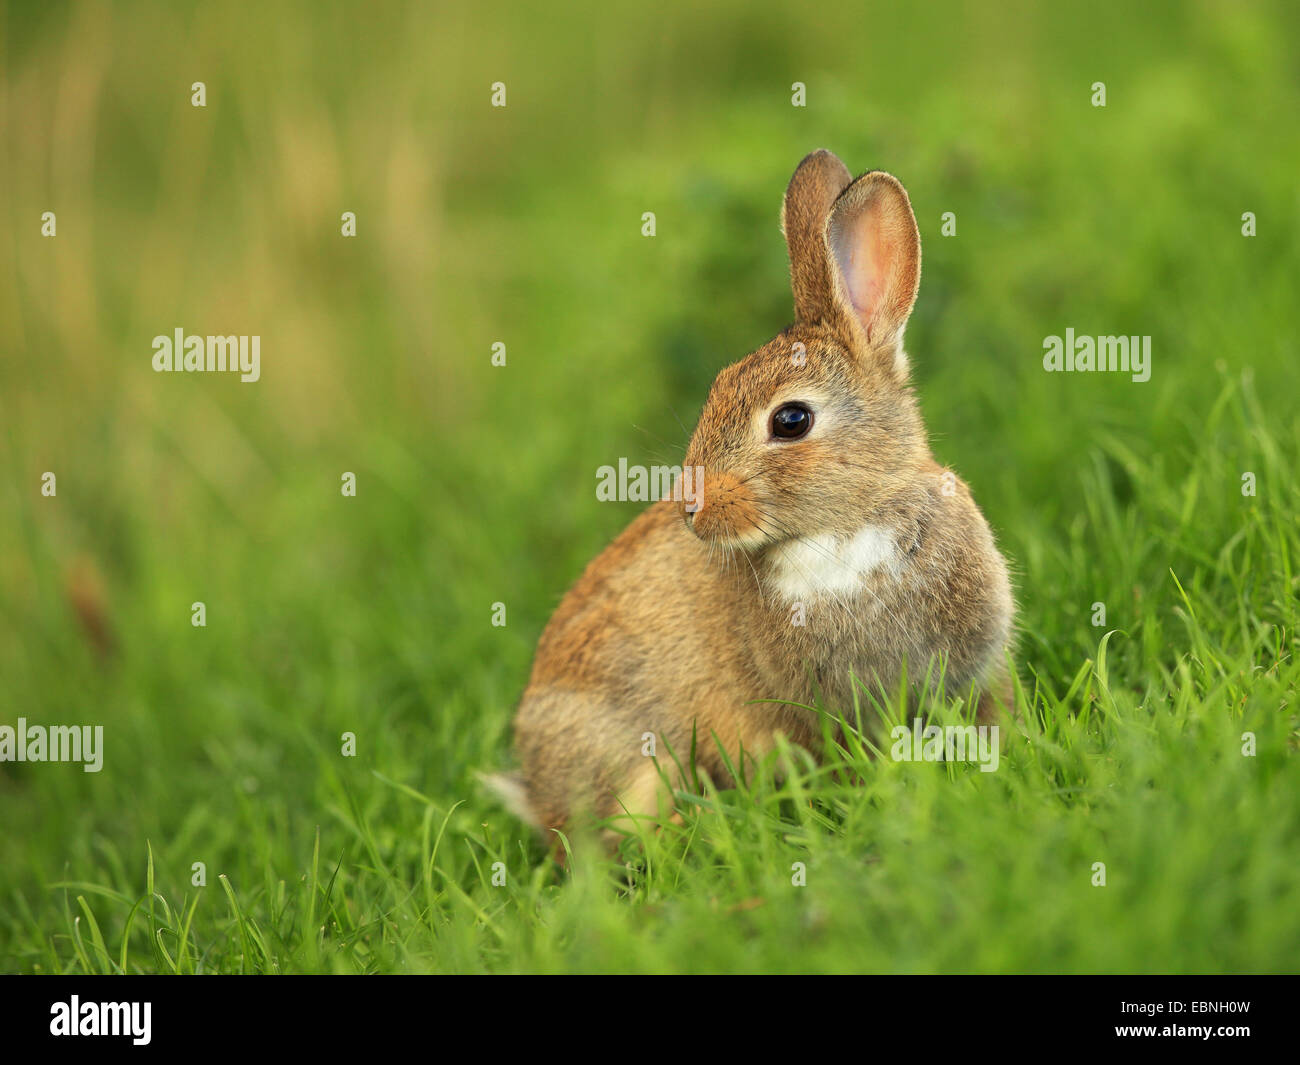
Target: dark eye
{"x":791,"y":421}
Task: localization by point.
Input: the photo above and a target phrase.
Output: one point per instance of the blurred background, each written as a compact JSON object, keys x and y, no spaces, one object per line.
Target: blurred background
{"x":522,"y":225}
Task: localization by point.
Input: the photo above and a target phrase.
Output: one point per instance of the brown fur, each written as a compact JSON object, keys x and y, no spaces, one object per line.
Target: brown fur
{"x":684,"y":624}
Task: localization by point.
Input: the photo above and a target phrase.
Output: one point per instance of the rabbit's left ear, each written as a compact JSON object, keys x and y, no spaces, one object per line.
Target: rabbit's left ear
{"x":875,"y":252}
{"x":817,"y":181}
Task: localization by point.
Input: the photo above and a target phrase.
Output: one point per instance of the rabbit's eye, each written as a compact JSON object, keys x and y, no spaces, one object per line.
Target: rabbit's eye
{"x":791,"y":421}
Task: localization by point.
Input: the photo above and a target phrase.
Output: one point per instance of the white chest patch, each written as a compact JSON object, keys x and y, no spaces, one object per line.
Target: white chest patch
{"x":828,"y":565}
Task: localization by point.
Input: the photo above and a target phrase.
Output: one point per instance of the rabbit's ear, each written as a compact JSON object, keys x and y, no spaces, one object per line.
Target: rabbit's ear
{"x":876,"y":251}
{"x":817,"y":181}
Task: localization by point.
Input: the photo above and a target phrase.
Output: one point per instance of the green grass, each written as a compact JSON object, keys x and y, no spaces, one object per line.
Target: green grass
{"x":476,"y":485}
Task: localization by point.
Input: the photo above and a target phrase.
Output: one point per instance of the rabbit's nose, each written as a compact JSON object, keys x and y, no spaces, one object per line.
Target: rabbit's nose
{"x":726,"y":509}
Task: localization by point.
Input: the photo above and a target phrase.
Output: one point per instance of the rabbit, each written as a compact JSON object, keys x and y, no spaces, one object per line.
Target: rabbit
{"x":822,"y":543}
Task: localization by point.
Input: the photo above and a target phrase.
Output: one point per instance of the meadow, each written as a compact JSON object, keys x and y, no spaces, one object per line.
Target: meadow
{"x":1161,"y":742}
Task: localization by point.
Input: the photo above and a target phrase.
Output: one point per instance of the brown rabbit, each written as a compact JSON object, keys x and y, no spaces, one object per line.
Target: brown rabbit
{"x":824,"y":543}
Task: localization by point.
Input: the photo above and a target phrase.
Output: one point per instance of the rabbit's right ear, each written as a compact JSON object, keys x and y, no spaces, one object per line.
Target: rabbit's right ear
{"x":875,"y":251}
{"x":817,"y":183}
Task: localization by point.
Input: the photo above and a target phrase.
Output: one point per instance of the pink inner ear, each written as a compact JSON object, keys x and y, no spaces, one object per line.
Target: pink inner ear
{"x":866,"y":257}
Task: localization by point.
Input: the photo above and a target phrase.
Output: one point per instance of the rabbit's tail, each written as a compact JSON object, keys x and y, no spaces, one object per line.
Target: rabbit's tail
{"x":509,"y":789}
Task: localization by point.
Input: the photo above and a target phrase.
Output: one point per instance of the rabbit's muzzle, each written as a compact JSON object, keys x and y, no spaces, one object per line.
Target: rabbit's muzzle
{"x":724,"y":510}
